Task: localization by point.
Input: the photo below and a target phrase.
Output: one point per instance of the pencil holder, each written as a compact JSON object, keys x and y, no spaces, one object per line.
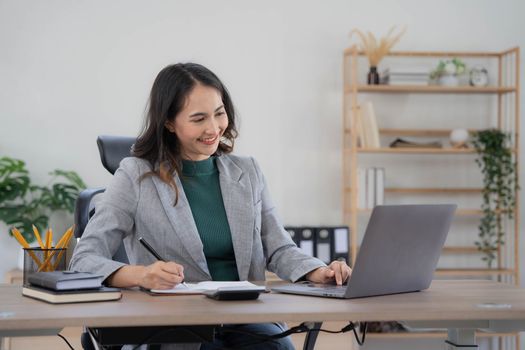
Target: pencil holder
{"x":43,"y":260}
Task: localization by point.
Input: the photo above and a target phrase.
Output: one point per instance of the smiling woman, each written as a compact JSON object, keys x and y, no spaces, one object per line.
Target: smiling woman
{"x":206,"y":211}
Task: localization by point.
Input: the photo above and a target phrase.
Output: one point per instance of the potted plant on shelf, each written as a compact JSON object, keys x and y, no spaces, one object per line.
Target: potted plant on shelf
{"x":375,"y":49}
{"x":23,"y":204}
{"x":447,"y":72}
{"x":500,"y":185}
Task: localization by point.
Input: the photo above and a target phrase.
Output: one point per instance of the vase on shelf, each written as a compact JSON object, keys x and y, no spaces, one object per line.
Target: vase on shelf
{"x":448,"y":80}
{"x":373,"y":76}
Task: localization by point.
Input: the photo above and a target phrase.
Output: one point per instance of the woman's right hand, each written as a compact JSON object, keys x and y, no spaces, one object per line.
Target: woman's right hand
{"x":162,"y":275}
{"x":159,"y":275}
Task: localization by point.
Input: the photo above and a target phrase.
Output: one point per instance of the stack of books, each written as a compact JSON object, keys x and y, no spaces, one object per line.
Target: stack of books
{"x":406,"y":76}
{"x":59,"y":287}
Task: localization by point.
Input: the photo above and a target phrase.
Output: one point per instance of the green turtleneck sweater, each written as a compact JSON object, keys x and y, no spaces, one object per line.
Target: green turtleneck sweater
{"x":200,"y":181}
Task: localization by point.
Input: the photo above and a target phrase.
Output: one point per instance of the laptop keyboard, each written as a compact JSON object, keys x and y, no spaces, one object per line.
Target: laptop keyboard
{"x":329,"y":289}
{"x":326,"y":288}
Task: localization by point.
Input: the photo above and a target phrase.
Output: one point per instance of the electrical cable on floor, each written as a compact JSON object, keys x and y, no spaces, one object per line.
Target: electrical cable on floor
{"x":64,"y":338}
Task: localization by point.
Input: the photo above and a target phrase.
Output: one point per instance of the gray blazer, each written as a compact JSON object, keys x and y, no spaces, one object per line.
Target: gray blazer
{"x":131,"y":208}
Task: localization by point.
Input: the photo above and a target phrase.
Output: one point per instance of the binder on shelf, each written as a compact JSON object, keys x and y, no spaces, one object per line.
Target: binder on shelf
{"x":295,"y":233}
{"x":340,"y":243}
{"x":324,"y":245}
{"x":303,"y":238}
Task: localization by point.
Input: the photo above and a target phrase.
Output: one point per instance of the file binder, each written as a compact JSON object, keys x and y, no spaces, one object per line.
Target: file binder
{"x":340,"y":240}
{"x":295,"y":233}
{"x":304,"y":238}
{"x":327,"y":243}
{"x":324,"y":244}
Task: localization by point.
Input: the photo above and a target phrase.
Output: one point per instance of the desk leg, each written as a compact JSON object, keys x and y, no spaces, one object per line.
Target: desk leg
{"x":459,"y":339}
{"x":311,"y":337}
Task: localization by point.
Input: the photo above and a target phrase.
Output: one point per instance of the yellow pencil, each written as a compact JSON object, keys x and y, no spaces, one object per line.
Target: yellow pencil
{"x":63,"y":238}
{"x":62,"y":243}
{"x":38,"y":238}
{"x":49,"y":240}
{"x":24,"y":244}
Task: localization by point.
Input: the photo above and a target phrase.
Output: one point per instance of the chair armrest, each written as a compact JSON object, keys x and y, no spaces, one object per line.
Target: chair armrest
{"x":82,"y":209}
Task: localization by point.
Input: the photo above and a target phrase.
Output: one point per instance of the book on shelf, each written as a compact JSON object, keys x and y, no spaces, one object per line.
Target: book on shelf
{"x":360,"y":129}
{"x":367,"y":129}
{"x":406,"y":76}
{"x":65,"y":280}
{"x":404,"y":143}
{"x":407,"y":71}
{"x":206,"y":286}
{"x":379,"y":186}
{"x":370,"y":187}
{"x":361,"y":188}
{"x":397,"y":82}
{"x":71,"y":296}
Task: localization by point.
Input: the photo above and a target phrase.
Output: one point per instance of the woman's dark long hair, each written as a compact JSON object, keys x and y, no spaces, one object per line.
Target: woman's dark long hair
{"x":156,"y":143}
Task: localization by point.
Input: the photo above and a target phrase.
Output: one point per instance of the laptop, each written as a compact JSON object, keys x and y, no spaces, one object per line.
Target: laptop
{"x":399,"y":253}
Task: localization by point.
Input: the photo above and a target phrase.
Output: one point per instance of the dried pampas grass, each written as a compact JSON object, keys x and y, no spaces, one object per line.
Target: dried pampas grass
{"x":374,"y":50}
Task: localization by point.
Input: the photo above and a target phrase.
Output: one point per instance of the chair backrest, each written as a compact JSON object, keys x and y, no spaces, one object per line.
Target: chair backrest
{"x":112,"y":150}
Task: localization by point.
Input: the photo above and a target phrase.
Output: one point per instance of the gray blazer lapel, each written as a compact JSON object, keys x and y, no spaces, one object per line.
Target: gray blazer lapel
{"x":182,"y":221}
{"x":238,"y":203}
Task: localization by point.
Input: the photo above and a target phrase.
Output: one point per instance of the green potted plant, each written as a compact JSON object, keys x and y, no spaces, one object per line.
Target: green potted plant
{"x":23,"y":204}
{"x":500,"y":185}
{"x":447,"y":72}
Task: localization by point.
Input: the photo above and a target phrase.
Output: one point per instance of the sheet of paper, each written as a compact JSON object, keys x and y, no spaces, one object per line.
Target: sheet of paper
{"x":197,"y":288}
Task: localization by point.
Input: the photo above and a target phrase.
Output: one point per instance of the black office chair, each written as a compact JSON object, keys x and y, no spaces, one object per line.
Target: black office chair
{"x":112,"y":150}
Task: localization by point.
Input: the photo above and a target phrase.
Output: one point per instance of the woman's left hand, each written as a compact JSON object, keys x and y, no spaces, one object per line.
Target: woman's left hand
{"x":337,"y":270}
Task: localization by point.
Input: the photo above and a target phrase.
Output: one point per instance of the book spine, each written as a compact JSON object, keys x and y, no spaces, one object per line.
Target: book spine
{"x":43,"y":282}
{"x":370,"y":188}
{"x":361,"y":188}
{"x":379,"y":186}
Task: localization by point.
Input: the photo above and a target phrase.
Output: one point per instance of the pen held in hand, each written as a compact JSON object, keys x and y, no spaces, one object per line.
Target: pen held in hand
{"x":150,"y":249}
{"x":153,"y":252}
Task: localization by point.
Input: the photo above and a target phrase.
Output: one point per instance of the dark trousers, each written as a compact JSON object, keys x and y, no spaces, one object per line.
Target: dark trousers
{"x":238,"y":338}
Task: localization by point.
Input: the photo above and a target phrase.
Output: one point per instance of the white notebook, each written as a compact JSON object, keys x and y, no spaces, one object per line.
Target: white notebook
{"x":201,"y":287}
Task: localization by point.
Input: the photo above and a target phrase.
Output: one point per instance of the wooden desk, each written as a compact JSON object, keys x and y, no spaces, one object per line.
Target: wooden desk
{"x":460,"y":306}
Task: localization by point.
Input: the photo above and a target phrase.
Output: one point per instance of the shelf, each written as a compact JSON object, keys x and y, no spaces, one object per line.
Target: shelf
{"x":461,"y":250}
{"x":414,"y":150}
{"x":432,"y":89}
{"x":433,"y":190}
{"x":417,"y":132}
{"x":459,"y":212}
{"x":474,"y":272}
{"x":429,"y":190}
{"x":420,"y":132}
{"x":431,"y":54}
{"x":456,"y":250}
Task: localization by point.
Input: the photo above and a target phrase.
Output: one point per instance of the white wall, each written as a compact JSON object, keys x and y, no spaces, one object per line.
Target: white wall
{"x":72,"y":70}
